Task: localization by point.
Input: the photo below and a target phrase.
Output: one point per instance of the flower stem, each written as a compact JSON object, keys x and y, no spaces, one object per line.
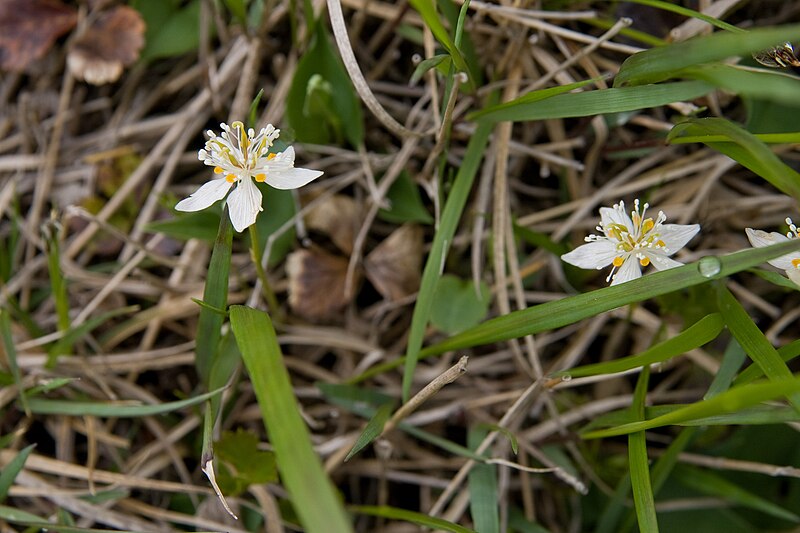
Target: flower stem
{"x":266,"y":288}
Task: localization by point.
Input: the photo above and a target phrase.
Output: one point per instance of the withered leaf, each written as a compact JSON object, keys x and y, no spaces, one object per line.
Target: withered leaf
{"x":28,"y":28}
{"x":316,"y":283}
{"x":112,"y":41}
{"x":393,"y":267}
{"x":338,"y":217}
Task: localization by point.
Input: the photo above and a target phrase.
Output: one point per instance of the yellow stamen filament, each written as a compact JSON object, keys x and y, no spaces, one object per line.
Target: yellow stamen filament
{"x":644,"y":261}
{"x":618,"y":261}
{"x":218,"y":170}
{"x":260,"y":177}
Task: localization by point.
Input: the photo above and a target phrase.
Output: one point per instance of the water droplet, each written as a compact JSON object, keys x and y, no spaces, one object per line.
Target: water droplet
{"x":566,"y":377}
{"x":709,"y":266}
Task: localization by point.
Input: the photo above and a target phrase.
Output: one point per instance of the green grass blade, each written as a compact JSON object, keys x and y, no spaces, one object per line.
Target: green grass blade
{"x":312,"y":494}
{"x":753,"y":372}
{"x":17,"y":516}
{"x":43,"y":406}
{"x":11,"y":469}
{"x":451,"y":214}
{"x":658,"y":64}
{"x":373,"y":429}
{"x":643,"y":498}
{"x":732,"y":361}
{"x":427,"y":9}
{"x":703,"y":331}
{"x":761,"y":84}
{"x":713,"y":485}
{"x":500,"y":112}
{"x":746,"y":149}
{"x":482,"y":483}
{"x":598,"y":102}
{"x":11,"y":355}
{"x":686,"y":12}
{"x":75,"y":333}
{"x":731,"y":401}
{"x":384,"y":511}
{"x":215,"y":294}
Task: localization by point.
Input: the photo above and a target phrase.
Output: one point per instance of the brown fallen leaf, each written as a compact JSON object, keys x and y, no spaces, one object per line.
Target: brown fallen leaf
{"x":28,"y":28}
{"x":338,"y":217}
{"x":393,"y":267}
{"x":107,"y":45}
{"x":316,"y":283}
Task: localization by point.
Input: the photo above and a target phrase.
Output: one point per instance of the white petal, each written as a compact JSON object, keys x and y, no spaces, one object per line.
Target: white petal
{"x":244,"y":204}
{"x":597,"y":254}
{"x":794,"y":275}
{"x":661,"y":261}
{"x":610,"y":216}
{"x":628,"y":271}
{"x":759,"y":239}
{"x":291,"y":178}
{"x":206,"y":195}
{"x":675,"y":236}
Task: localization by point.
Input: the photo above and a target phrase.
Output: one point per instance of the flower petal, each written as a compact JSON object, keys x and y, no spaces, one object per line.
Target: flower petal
{"x":206,"y":195}
{"x":597,"y":254}
{"x":794,"y":275}
{"x":661,"y":261}
{"x":610,"y":216}
{"x":628,"y":271}
{"x":291,"y":178}
{"x":759,"y":239}
{"x":675,"y":236}
{"x":244,"y":204}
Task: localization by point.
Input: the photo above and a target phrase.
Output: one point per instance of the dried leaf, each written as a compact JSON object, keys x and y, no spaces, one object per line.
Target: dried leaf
{"x":394,"y":266}
{"x":338,"y":217}
{"x":108,"y":44}
{"x":28,"y":28}
{"x":316,"y":283}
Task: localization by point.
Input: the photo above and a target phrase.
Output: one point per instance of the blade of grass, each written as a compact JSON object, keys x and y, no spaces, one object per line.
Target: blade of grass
{"x":427,"y":10}
{"x":451,"y":214}
{"x":732,"y":361}
{"x":643,"y":498}
{"x":753,"y":372}
{"x":215,"y":294}
{"x":11,"y":355}
{"x":730,"y":401}
{"x":745,"y":148}
{"x":394,"y":513}
{"x":493,"y":111}
{"x":312,"y":494}
{"x":373,"y":429}
{"x":10,"y":470}
{"x":43,"y":406}
{"x":598,"y":102}
{"x":704,"y":330}
{"x":686,"y":12}
{"x":482,"y":483}
{"x":72,"y":335}
{"x":761,"y":84}
{"x":658,"y":64}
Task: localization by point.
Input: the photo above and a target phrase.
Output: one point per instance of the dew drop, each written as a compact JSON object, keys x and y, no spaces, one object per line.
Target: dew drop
{"x":566,"y":377}
{"x":709,"y":266}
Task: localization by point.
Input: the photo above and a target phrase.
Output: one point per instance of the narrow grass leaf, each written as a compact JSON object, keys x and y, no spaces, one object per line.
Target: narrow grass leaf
{"x":393,"y":513}
{"x":703,"y":331}
{"x":451,"y":214}
{"x":746,"y":149}
{"x":482,"y":484}
{"x":713,"y":485}
{"x":11,"y":355}
{"x":372,"y":430}
{"x":686,"y":12}
{"x":18,"y":516}
{"x":75,"y":333}
{"x":215,"y":295}
{"x":43,"y":406}
{"x":658,"y":64}
{"x":11,"y":469}
{"x":730,"y":401}
{"x":643,"y":498}
{"x":762,"y":84}
{"x":427,"y":10}
{"x":732,"y":360}
{"x":425,"y":65}
{"x":499,"y":112}
{"x":599,"y":102}
{"x":312,"y":494}
{"x":753,"y":372}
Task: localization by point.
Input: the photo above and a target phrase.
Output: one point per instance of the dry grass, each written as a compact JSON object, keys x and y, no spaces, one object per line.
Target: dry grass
{"x":121,"y":150}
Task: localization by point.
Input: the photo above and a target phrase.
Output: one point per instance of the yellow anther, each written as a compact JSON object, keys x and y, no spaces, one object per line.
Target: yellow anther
{"x":661,"y":244}
{"x":270,"y":157}
{"x":647,"y":225}
{"x":796,"y":262}
{"x":644,"y":261}
{"x":617,"y":262}
{"x":218,"y":170}
{"x":260,"y":177}
{"x":230,"y":178}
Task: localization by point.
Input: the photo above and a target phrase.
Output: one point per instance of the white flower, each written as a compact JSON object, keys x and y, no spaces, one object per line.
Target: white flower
{"x":631,"y":242}
{"x":240,"y":156}
{"x":789,"y":262}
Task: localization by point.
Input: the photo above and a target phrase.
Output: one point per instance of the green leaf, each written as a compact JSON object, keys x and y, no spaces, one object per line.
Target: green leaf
{"x":456,"y":307}
{"x":776,"y":279}
{"x":313,"y":495}
{"x":405,"y":203}
{"x":643,"y":498}
{"x":658,"y":64}
{"x":385,"y":511}
{"x":762,"y":84}
{"x":281,"y":207}
{"x":11,"y":356}
{"x":201,"y":225}
{"x":508,"y":110}
{"x":732,"y":361}
{"x":11,"y":469}
{"x":322,"y":105}
{"x":237,"y":9}
{"x":373,"y":429}
{"x":171,"y":30}
{"x":482,"y":483}
{"x":598,"y":102}
{"x":753,"y":372}
{"x":745,"y":148}
{"x":250,"y":466}
{"x":426,"y":64}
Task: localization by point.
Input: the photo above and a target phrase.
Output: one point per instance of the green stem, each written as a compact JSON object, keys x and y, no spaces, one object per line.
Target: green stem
{"x":266,"y":288}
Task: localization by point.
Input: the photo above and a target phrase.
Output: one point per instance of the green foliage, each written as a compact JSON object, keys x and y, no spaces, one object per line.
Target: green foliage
{"x":243,"y":464}
{"x":172,"y":28}
{"x":483,"y":496}
{"x":322,"y":105}
{"x":457,"y":305}
{"x":281,"y":207}
{"x":201,"y":225}
{"x":405,"y":202}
